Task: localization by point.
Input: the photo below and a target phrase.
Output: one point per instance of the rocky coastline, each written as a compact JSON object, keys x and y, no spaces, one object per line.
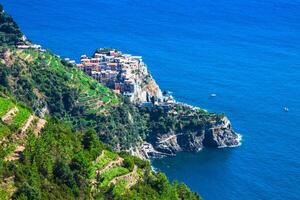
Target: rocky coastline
{"x":219,"y":135}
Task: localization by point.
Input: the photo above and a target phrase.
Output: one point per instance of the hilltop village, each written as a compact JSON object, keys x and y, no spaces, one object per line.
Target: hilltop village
{"x":125,"y":74}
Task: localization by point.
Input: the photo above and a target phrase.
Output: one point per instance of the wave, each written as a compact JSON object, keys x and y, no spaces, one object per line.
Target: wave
{"x":239,"y":139}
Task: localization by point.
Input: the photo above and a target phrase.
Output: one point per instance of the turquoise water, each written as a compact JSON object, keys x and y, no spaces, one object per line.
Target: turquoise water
{"x":247,"y":52}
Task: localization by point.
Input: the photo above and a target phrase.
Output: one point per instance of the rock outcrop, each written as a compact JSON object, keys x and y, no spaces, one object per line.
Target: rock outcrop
{"x":219,"y":134}
{"x":145,"y":86}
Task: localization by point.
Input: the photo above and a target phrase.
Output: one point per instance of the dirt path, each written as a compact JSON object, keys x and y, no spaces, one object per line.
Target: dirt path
{"x":9,"y":115}
{"x":169,"y":138}
{"x":39,"y":126}
{"x":27,"y":124}
{"x":16,"y":154}
{"x":110,"y":165}
{"x":20,"y":137}
{"x":28,"y":58}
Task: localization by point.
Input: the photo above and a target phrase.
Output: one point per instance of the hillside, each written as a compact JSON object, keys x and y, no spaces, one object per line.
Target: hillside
{"x":16,"y":122}
{"x":49,"y":85}
{"x":10,"y":33}
{"x":47,"y":160}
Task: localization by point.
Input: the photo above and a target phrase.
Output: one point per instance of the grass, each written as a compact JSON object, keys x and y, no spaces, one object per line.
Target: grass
{"x":107,"y":157}
{"x":102,"y":162}
{"x":4,"y":131}
{"x":5,"y":105}
{"x":5,"y":151}
{"x":109,"y":175}
{"x":105,"y":99}
{"x":120,"y":188}
{"x":3,"y":194}
{"x":21,"y":117}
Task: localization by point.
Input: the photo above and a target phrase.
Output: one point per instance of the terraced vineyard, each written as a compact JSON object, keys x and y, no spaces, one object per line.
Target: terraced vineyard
{"x":21,"y":117}
{"x":49,"y":85}
{"x":16,"y":122}
{"x":109,"y":169}
{"x":5,"y":105}
{"x":95,"y":97}
{"x":107,"y":176}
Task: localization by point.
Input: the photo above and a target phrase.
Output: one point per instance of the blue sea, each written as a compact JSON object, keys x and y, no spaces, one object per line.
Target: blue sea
{"x":247,"y":52}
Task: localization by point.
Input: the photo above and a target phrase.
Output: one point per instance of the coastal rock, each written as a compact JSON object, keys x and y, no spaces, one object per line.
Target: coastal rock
{"x":219,"y":134}
{"x":145,"y":87}
{"x":146,"y":151}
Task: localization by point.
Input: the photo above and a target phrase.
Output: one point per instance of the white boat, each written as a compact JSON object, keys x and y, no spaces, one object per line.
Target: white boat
{"x":286,"y":109}
{"x":213,"y":95}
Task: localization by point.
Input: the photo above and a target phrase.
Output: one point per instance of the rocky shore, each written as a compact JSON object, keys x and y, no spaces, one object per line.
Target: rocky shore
{"x":219,"y":135}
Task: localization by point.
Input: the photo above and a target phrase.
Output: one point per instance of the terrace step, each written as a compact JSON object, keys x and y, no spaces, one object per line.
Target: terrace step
{"x":7,"y":184}
{"x":27,"y":124}
{"x":39,"y":126}
{"x":20,"y":136}
{"x":110,"y":165}
{"x":130,"y":178}
{"x":9,"y":115}
{"x":16,"y":154}
{"x":3,"y":140}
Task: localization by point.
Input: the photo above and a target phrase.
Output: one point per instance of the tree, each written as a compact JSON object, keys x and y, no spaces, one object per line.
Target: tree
{"x":63,"y":173}
{"x":3,"y":76}
{"x":89,"y":138}
{"x":27,"y":192}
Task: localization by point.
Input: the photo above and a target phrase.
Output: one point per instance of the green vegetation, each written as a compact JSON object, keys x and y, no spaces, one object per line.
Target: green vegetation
{"x":106,"y":158}
{"x":21,"y":117}
{"x":110,"y":174}
{"x":119,"y":189}
{"x":43,"y":81}
{"x":4,"y":131}
{"x":56,"y":165}
{"x":59,"y":165}
{"x":9,"y":135}
{"x":178,"y":119}
{"x":5,"y":105}
{"x":6,"y":150}
{"x":10,"y":33}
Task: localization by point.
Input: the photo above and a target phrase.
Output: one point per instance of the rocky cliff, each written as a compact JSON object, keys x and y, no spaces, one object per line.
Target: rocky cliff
{"x":145,"y":86}
{"x":218,"y":134}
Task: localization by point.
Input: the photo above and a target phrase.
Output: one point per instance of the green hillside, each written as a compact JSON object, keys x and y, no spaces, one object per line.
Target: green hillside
{"x":16,"y":121}
{"x":48,"y":160}
{"x":49,"y":85}
{"x":10,"y":33}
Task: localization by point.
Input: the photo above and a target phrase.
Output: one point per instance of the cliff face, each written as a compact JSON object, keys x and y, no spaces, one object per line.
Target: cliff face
{"x":219,"y":134}
{"x":145,"y":86}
